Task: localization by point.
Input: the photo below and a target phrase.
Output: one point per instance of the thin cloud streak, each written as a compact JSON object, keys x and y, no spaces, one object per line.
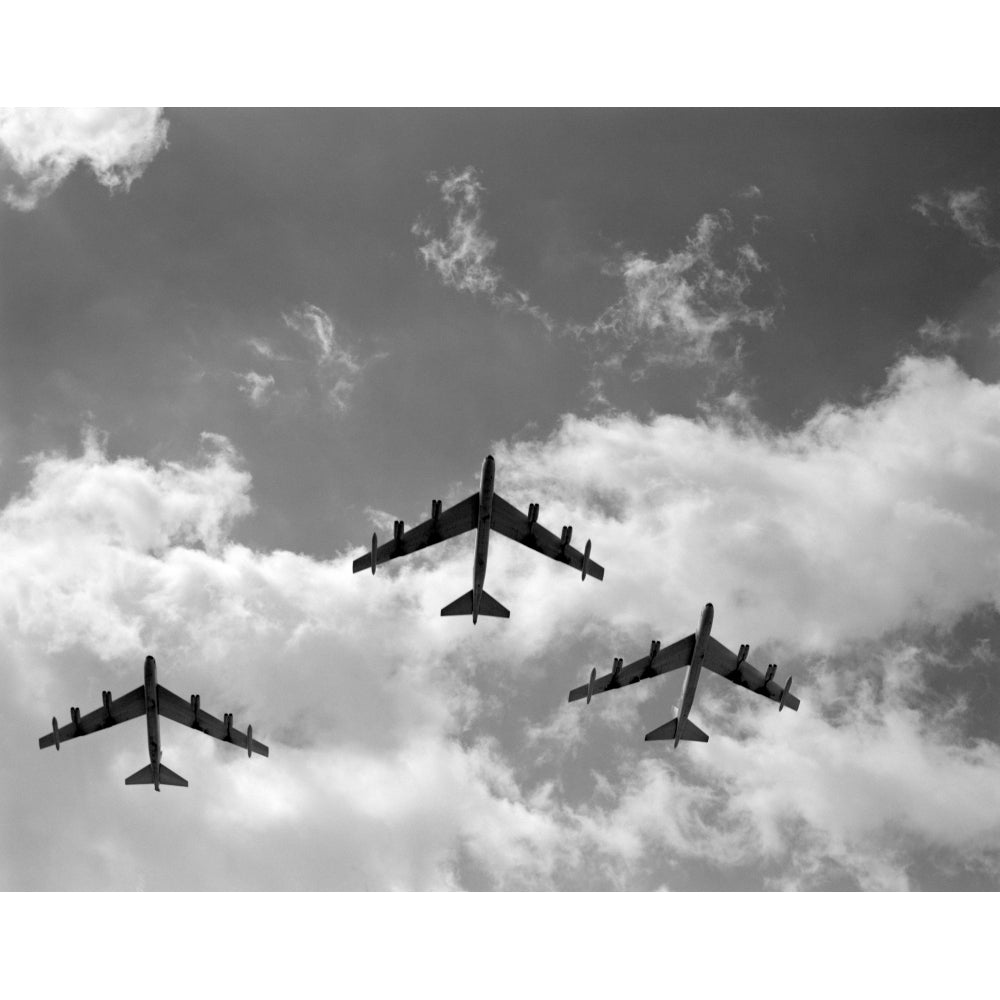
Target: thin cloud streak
{"x":462,"y":257}
{"x":968,"y":210}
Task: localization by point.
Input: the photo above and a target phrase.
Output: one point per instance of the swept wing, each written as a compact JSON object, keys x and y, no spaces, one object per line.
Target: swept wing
{"x":509,"y":521}
{"x":726,"y":663}
{"x":188,"y":714}
{"x":128,"y":706}
{"x":456,"y":520}
{"x":662,"y":661}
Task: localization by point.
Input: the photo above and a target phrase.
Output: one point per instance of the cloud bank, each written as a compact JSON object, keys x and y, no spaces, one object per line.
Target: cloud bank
{"x":407,"y":749}
{"x":42,"y":146}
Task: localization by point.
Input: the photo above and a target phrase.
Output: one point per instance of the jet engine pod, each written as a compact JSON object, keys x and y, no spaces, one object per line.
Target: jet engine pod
{"x":532,"y":514}
{"x":74,"y":715}
{"x":772,"y":669}
{"x":567,"y":534}
{"x":590,"y":684}
{"x":654,"y":648}
{"x":106,"y":701}
{"x":435,"y":509}
{"x":227,"y":721}
{"x":742,"y":654}
{"x":397,"y":531}
{"x":616,"y":669}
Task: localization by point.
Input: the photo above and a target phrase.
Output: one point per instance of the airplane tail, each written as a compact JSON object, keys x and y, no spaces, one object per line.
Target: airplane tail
{"x":487,"y":606}
{"x":668,"y":731}
{"x":144,"y":776}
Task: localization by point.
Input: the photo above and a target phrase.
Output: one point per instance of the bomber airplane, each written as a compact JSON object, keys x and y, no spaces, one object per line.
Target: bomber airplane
{"x":483,"y":511}
{"x":694,"y":652}
{"x":152,"y":700}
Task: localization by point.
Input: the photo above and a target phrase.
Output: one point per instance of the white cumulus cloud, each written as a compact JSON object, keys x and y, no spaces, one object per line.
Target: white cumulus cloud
{"x":413,"y":751}
{"x":41,"y":146}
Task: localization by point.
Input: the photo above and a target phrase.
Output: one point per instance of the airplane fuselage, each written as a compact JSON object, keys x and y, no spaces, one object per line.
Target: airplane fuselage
{"x":482,"y":533}
{"x":152,"y":719}
{"x":693,"y":671}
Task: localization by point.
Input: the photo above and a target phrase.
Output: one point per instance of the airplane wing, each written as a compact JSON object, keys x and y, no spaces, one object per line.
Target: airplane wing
{"x":509,"y":521}
{"x":724,"y":662}
{"x":187,"y":714}
{"x":662,"y":662}
{"x":128,"y":706}
{"x":454,"y":521}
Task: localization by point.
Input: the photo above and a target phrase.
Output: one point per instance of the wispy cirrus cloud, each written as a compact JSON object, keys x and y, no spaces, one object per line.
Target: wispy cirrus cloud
{"x":969,"y":210}
{"x":462,"y":257}
{"x":941,"y":333}
{"x":256,"y":387}
{"x":41,"y":147}
{"x":675,"y":310}
{"x":314,"y":362}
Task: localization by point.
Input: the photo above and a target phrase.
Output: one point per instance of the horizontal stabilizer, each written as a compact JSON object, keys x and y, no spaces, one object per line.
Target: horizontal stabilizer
{"x":167,"y":777}
{"x":487,"y":606}
{"x":144,"y":776}
{"x":463,"y":606}
{"x":668,"y":731}
{"x":491,"y":606}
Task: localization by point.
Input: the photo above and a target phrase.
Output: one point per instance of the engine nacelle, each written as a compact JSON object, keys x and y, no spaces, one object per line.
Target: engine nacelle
{"x":586,"y":560}
{"x":654,"y":648}
{"x":772,"y":669}
{"x":55,"y":732}
{"x":742,"y":654}
{"x":249,"y":741}
{"x":195,"y":704}
{"x":106,"y":701}
{"x":374,"y":552}
{"x":616,"y":669}
{"x":435,"y":509}
{"x":74,"y":716}
{"x":532,"y":515}
{"x":590,"y":684}
{"x":397,"y":531}
{"x":567,"y":534}
{"x":227,"y":721}
{"x":784,"y":694}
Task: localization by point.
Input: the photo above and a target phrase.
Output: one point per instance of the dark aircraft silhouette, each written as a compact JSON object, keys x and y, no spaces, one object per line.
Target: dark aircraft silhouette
{"x":694,"y":652}
{"x":483,"y":510}
{"x":152,"y":700}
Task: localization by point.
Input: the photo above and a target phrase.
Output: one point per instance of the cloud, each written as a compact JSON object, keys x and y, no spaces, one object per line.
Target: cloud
{"x":43,"y":145}
{"x":675,"y":311}
{"x":941,"y":334}
{"x":258,"y":388}
{"x":968,"y":210}
{"x":462,"y":256}
{"x":315,"y":364}
{"x":413,"y":751}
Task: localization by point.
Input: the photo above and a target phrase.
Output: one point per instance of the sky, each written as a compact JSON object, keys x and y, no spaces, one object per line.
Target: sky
{"x":754,"y":356}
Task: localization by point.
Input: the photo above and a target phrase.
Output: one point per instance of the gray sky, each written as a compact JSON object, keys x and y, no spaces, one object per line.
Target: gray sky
{"x":753,"y":355}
